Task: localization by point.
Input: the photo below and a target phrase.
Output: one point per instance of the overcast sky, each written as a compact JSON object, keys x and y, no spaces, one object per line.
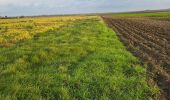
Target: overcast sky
{"x":40,"y":7}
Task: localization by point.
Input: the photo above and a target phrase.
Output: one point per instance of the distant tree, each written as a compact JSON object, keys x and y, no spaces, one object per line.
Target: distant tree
{"x":21,"y":17}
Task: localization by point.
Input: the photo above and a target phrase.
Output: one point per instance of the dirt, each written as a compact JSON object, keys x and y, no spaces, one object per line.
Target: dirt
{"x":149,"y":39}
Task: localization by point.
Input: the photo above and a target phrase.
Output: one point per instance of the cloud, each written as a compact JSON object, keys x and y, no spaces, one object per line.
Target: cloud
{"x":38,"y":7}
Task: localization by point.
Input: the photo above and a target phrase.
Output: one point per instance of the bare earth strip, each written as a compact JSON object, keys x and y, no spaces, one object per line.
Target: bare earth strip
{"x":149,"y":39}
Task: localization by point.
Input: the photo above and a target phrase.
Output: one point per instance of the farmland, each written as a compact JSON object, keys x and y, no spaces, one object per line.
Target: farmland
{"x":148,"y":38}
{"x":18,"y":30}
{"x":143,"y":14}
{"x":73,"y":57}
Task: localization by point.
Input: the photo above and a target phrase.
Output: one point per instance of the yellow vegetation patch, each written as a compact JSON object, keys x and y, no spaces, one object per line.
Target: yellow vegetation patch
{"x":21,"y":29}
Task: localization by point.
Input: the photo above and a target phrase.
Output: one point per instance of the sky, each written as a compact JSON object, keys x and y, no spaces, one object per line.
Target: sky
{"x":53,"y":7}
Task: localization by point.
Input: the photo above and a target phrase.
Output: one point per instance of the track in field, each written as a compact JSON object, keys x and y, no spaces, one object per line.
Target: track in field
{"x":149,"y":39}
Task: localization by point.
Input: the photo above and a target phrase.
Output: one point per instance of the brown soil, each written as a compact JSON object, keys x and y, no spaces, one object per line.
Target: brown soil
{"x":148,"y":39}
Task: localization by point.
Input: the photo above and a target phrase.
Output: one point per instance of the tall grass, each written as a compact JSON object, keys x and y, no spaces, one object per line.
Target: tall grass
{"x":84,"y":60}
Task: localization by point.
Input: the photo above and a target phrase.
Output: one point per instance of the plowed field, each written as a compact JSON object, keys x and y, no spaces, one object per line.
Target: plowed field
{"x":149,"y":39}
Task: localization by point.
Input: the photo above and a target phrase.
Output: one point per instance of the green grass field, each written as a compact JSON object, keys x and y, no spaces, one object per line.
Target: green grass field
{"x":142,"y":14}
{"x":83,"y":60}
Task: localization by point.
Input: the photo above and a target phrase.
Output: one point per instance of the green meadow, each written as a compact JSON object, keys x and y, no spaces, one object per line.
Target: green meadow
{"x":83,"y":60}
{"x":142,"y":14}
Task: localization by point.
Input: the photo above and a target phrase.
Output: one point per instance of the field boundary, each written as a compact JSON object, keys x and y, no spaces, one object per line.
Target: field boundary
{"x":157,"y":75}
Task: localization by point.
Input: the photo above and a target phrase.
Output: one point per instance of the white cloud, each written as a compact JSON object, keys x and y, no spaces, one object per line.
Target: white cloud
{"x":34,"y":7}
{"x":31,"y":2}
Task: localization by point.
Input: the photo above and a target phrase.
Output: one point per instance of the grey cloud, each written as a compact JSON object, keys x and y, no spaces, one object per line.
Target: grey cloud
{"x":37,"y":7}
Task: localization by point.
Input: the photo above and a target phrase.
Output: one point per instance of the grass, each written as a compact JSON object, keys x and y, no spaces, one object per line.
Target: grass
{"x":15,"y":30}
{"x":143,"y":14}
{"x":83,"y":60}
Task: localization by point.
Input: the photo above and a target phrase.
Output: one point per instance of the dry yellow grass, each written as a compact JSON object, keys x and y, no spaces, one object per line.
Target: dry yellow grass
{"x":15,"y":30}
